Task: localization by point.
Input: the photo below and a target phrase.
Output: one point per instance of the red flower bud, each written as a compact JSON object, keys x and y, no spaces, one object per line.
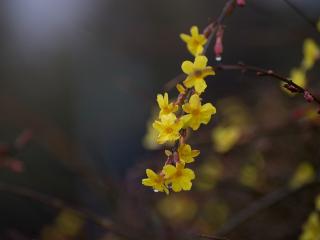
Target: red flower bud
{"x":218,"y":46}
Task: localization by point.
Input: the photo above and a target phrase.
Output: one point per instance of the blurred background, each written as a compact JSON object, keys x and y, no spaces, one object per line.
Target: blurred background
{"x":82,"y":77}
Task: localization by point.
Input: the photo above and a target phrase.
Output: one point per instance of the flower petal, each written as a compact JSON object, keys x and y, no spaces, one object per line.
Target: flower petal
{"x":169,"y":170}
{"x":195,"y":101}
{"x":151,"y":174}
{"x":184,"y":37}
{"x":200,"y":85}
{"x":194,"y":31}
{"x":187,"y":67}
{"x":200,"y":62}
{"x":188,"y":173}
{"x":176,"y":186}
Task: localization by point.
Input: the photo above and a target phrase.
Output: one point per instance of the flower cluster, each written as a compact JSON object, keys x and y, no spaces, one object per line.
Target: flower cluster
{"x":179,"y":116}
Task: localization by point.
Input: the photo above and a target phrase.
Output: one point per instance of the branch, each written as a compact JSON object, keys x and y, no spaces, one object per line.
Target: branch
{"x":59,"y":204}
{"x":263,"y":204}
{"x":301,"y":14}
{"x":227,"y":9}
{"x":290,"y":85}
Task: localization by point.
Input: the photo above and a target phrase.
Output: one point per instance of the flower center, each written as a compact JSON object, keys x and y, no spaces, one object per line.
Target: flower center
{"x":197,"y":73}
{"x":196,"y":112}
{"x":169,"y":130}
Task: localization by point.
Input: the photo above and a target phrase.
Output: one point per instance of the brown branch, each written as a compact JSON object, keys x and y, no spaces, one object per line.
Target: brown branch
{"x":263,"y":204}
{"x":59,"y":204}
{"x":227,"y":9}
{"x":205,"y":236}
{"x":268,"y":73}
{"x":301,"y":14}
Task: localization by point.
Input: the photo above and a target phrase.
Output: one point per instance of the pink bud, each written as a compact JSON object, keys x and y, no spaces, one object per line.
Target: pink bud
{"x":308,"y":96}
{"x":241,"y":3}
{"x":218,"y":46}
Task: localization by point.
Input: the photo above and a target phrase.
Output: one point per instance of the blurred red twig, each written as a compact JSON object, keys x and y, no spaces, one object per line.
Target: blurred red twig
{"x":264,"y":203}
{"x":57,"y":203}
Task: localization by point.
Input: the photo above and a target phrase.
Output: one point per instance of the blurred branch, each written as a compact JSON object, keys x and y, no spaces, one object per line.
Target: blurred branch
{"x":301,"y":14}
{"x":204,"y":236}
{"x":290,"y":85}
{"x":59,"y":204}
{"x":263,"y":204}
{"x":57,"y":142}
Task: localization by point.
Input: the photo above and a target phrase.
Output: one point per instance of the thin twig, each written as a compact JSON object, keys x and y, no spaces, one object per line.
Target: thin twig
{"x":229,"y":5}
{"x":59,"y":204}
{"x":266,"y":73}
{"x":262,"y":204}
{"x":301,"y":14}
{"x":205,"y":236}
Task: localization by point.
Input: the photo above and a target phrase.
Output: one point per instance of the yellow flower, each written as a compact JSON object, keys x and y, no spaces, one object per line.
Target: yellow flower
{"x":178,"y":176}
{"x":195,"y":41}
{"x":196,"y":72}
{"x":197,"y":113}
{"x":225,"y":138}
{"x":186,"y":154}
{"x":311,"y":53}
{"x":165,"y":106}
{"x":311,"y":229}
{"x":298,"y":76}
{"x":168,"y":128}
{"x":156,"y":181}
{"x":304,"y":174}
{"x":181,"y":88}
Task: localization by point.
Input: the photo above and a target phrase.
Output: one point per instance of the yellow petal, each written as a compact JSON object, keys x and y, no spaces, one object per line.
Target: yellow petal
{"x":176,"y":186}
{"x":169,"y":170}
{"x":184,"y":37}
{"x":151,"y":174}
{"x":200,"y":85}
{"x":189,"y":82}
{"x":194,"y":31}
{"x":185,"y":119}
{"x":208,"y":108}
{"x":187,"y":172}
{"x":195,"y":101}
{"x":160,"y":100}
{"x":200,"y":62}
{"x":187,"y":67}
{"x":185,"y":184}
{"x":180,"y":88}
{"x":147,"y":182}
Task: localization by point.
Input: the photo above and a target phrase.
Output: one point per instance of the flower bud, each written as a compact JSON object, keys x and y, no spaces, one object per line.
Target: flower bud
{"x":218,"y":46}
{"x":308,"y":96}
